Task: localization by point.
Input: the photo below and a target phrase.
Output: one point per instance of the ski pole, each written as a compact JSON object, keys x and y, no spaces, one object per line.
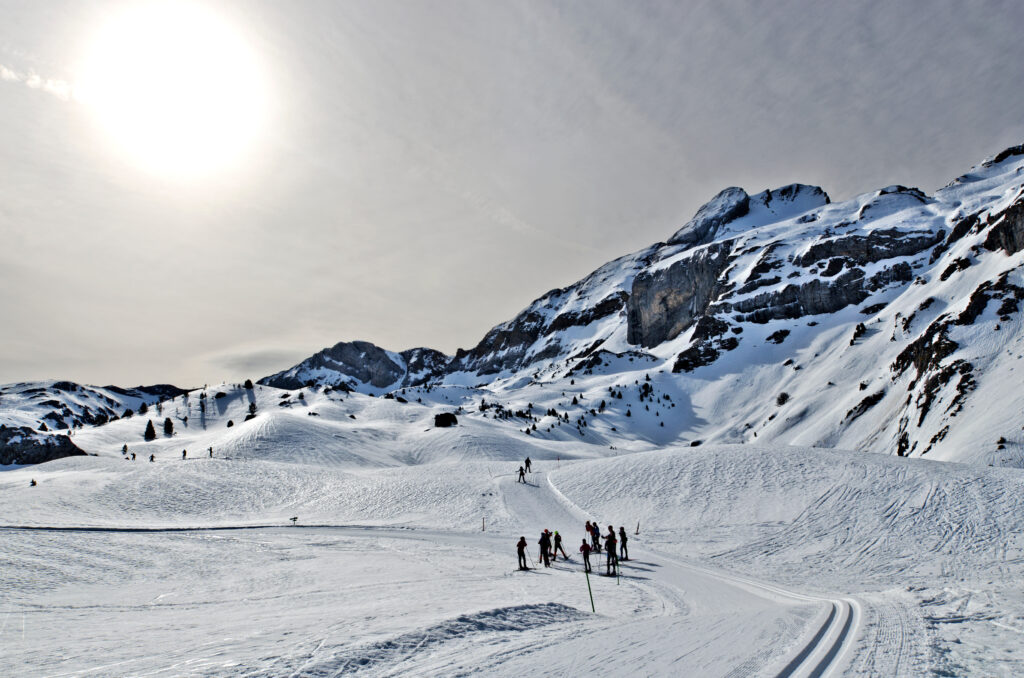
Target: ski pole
{"x":590,"y":591}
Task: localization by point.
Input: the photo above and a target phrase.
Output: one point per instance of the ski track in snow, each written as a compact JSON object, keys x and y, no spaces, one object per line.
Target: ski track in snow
{"x":751,"y":561}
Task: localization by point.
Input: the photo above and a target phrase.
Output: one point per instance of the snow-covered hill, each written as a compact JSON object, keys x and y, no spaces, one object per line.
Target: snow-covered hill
{"x":887,"y":323}
{"x":36,"y":417}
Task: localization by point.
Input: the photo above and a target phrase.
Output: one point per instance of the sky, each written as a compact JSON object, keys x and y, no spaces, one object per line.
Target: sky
{"x":413,"y":173}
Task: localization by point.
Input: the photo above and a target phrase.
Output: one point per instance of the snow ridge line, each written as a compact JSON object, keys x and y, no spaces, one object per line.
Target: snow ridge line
{"x":833,"y":641}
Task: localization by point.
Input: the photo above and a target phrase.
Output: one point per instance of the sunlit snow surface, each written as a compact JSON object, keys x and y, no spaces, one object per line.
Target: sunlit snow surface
{"x":192,"y":567}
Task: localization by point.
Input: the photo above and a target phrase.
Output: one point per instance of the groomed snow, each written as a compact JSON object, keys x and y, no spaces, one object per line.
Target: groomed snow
{"x":750,"y":560}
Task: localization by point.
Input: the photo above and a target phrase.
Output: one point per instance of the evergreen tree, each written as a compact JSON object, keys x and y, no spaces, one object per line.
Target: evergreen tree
{"x":150,"y":431}
{"x":168,"y":427}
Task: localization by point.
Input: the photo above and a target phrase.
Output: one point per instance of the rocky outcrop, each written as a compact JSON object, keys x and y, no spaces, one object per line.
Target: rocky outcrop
{"x":1007,"y":231}
{"x":346,"y":363}
{"x":728,"y":205}
{"x":865,"y":249}
{"x":669,"y":300}
{"x":22,"y":445}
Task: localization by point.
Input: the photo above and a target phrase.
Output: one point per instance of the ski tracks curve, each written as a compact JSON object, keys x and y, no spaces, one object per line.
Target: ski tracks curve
{"x":830,"y":647}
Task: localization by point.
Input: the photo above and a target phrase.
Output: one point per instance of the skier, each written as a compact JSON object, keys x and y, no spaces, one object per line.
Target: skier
{"x":595,"y":537}
{"x":545,"y":546}
{"x":528,"y":465}
{"x":183,"y":453}
{"x":211,"y":453}
{"x":522,"y":475}
{"x":558,"y":547}
{"x":133,"y":456}
{"x":151,"y":458}
{"x":585,"y":550}
{"x":609,"y":546}
{"x":623,"y":550}
{"x":521,"y":549}
{"x":32,"y":483}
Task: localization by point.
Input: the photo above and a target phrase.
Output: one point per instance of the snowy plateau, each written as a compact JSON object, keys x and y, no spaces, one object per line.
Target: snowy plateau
{"x":807,"y":416}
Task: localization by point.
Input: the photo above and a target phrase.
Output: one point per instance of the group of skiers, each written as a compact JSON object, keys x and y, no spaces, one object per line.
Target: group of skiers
{"x":523,"y":470}
{"x":550,"y":544}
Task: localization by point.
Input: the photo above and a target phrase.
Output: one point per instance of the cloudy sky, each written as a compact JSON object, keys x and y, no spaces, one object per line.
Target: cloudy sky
{"x":250,"y":181}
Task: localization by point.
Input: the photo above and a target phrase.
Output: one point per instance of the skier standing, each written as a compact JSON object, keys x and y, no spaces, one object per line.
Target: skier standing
{"x":623,"y":550}
{"x":585,"y":550}
{"x":595,"y":537}
{"x":528,"y":465}
{"x":545,"y":546}
{"x":521,"y":549}
{"x":183,"y":454}
{"x":522,"y":475}
{"x":609,"y":545}
{"x":558,"y":547}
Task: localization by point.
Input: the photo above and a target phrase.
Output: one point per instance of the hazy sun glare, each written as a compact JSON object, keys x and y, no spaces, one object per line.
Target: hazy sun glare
{"x":175,"y":86}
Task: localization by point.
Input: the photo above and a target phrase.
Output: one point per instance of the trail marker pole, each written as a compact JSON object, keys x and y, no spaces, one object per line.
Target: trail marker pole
{"x":483,"y":524}
{"x":638,"y":527}
{"x":590,"y":591}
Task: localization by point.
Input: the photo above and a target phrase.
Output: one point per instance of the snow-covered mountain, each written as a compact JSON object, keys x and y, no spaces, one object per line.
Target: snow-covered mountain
{"x":888,"y":322}
{"x":35,"y":417}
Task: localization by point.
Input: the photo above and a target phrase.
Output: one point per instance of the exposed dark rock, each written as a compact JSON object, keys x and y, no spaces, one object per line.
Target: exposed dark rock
{"x":778,"y":336}
{"x":22,"y":445}
{"x":863,"y":406}
{"x":875,"y":246}
{"x":958,"y":265}
{"x":728,"y":205}
{"x":604,"y":308}
{"x":445,"y":419}
{"x":1007,"y":232}
{"x":667,"y":302}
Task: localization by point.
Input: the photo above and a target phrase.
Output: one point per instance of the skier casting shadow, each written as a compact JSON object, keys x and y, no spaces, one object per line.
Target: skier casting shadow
{"x":609,"y":545}
{"x":585,"y":550}
{"x":522,"y":475}
{"x":545,"y":547}
{"x":521,"y":549}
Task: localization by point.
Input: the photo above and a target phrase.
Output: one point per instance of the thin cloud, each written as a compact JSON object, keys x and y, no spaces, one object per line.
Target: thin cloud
{"x":62,"y":89}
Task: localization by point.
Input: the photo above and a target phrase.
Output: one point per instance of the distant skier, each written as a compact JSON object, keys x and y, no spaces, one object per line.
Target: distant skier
{"x":585,"y":550}
{"x":545,"y":547}
{"x":32,"y":483}
{"x":521,"y":549}
{"x":528,"y":465}
{"x":151,"y":458}
{"x":609,"y":547}
{"x":133,"y":456}
{"x":558,"y":547}
{"x":522,"y":475}
{"x":183,"y":454}
{"x":595,"y":537}
{"x":211,"y":453}
{"x":623,"y":550}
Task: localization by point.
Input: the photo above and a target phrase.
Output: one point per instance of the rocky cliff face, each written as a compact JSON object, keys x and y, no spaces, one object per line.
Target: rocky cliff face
{"x":22,"y":445}
{"x":897,"y":287}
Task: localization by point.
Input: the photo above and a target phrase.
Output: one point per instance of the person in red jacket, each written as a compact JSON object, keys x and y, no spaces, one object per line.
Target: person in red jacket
{"x":585,"y":550}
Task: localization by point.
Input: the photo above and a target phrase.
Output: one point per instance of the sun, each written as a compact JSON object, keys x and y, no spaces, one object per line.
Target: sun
{"x":175,"y":86}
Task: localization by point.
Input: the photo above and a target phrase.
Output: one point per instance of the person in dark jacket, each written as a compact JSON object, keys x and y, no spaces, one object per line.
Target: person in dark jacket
{"x":595,"y":537}
{"x":528,"y":465}
{"x":585,"y":550}
{"x":521,"y":549}
{"x":545,"y":548}
{"x":522,"y":475}
{"x":609,"y":545}
{"x":623,"y":551}
{"x":558,"y":547}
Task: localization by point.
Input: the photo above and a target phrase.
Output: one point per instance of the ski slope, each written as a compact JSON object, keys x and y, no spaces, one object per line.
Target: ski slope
{"x":750,"y":560}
